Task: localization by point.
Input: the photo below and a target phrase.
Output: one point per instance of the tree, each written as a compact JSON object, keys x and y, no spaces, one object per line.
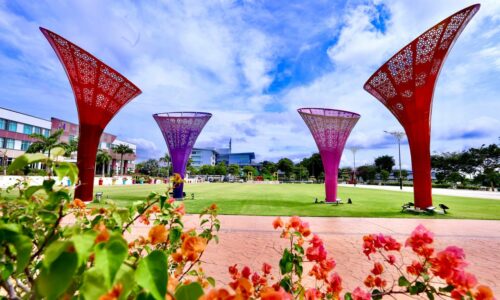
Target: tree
{"x":149,"y":167}
{"x":46,"y":143}
{"x":249,"y":169}
{"x":286,"y":165}
{"x":384,"y":162}
{"x":314,"y":165}
{"x":166,"y":159}
{"x":301,"y":172}
{"x":220,"y":168}
{"x":367,"y":172}
{"x":103,"y":158}
{"x":206,"y":170}
{"x":122,"y":149}
{"x":384,"y":175}
{"x":71,"y":147}
{"x":234,"y":170}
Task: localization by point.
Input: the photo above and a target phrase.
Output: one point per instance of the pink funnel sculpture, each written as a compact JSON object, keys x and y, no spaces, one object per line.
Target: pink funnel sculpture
{"x":330,"y":129}
{"x":405,"y":85}
{"x":180,"y":130}
{"x":100,"y":92}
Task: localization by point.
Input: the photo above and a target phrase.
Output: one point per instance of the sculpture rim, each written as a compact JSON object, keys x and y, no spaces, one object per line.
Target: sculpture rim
{"x":350,"y":114}
{"x":182,"y":114}
{"x":477,"y":5}
{"x":45,"y":31}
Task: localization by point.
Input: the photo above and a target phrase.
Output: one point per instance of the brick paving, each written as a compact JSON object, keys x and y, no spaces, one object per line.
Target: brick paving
{"x":251,"y":240}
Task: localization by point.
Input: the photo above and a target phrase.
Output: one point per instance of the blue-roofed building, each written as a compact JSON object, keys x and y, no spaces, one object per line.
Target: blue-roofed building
{"x":213,"y":156}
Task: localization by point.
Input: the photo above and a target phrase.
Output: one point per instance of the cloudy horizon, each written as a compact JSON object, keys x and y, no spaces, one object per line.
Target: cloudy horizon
{"x":252,"y":64}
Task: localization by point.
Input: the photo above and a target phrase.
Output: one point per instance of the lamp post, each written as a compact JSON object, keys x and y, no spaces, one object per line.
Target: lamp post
{"x":354,"y":150}
{"x":398,"y":135}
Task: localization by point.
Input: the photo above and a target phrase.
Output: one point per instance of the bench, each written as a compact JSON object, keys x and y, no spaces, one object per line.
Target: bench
{"x":98,"y":196}
{"x":407,"y":206}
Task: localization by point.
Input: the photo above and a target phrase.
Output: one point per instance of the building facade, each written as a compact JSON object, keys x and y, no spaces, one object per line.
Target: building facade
{"x":213,"y":156}
{"x":16,"y":128}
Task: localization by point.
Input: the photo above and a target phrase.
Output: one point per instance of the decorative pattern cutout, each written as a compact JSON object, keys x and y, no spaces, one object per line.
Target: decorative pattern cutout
{"x":401,"y":66}
{"x":427,"y":43}
{"x":383,"y":85}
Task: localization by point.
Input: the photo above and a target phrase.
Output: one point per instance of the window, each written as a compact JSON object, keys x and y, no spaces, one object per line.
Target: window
{"x":9,"y":144}
{"x":38,"y":130}
{"x":71,"y":138}
{"x":2,"y":140}
{"x":2,"y":124}
{"x":12,"y":126}
{"x":28,"y":129}
{"x":46,"y":132}
{"x":25,"y":145}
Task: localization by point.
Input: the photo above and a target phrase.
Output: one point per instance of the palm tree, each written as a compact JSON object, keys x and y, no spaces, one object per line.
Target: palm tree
{"x":71,"y":147}
{"x":166,"y":159}
{"x":103,"y":158}
{"x":46,"y":143}
{"x":122,"y":150}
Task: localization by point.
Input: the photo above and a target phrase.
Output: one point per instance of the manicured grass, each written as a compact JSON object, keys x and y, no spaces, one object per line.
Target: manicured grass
{"x":297,"y":199}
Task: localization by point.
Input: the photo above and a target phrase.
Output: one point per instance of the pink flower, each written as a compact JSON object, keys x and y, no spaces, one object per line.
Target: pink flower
{"x":377,"y":268}
{"x":266,"y":268}
{"x":312,"y":294}
{"x":359,"y":294}
{"x":448,"y":262}
{"x":420,"y":241}
{"x":391,"y":259}
{"x":335,"y":284}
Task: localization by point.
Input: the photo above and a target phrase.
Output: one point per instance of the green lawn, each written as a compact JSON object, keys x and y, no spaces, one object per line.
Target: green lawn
{"x":297,"y":199}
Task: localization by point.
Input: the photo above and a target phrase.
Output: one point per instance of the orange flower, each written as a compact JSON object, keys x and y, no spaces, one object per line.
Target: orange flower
{"x":103,"y":235}
{"x":114,"y":294}
{"x":277,"y":223}
{"x":269,"y":293}
{"x":243,"y":287}
{"x":193,"y":246}
{"x":171,"y":286}
{"x":484,"y":293}
{"x":213,"y":206}
{"x":144,"y":219}
{"x":155,"y":209}
{"x":294,"y":222}
{"x":158,"y":234}
{"x":180,"y":210}
{"x":217,"y":294}
{"x":79,"y":203}
{"x":177,"y":257}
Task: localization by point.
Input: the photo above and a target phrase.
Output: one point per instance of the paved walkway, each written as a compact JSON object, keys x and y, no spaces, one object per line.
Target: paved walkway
{"x":445,"y":192}
{"x":251,"y":240}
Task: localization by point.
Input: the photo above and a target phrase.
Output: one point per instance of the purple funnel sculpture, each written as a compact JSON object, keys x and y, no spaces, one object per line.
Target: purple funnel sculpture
{"x":330,"y":129}
{"x":180,"y":130}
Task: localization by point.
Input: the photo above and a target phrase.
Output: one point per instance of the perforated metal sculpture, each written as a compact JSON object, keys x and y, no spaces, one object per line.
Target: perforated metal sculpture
{"x":330,"y":129}
{"x":405,"y":85}
{"x":100,"y":92}
{"x":180,"y":130}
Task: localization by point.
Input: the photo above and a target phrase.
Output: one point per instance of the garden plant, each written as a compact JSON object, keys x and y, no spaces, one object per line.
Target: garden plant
{"x":55,"y":247}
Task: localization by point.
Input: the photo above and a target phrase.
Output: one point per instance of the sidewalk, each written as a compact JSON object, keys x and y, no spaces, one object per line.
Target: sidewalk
{"x":251,"y":240}
{"x":445,"y":192}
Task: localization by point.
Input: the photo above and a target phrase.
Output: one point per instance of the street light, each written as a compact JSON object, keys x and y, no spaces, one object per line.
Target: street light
{"x":354,"y":149}
{"x":398,"y":135}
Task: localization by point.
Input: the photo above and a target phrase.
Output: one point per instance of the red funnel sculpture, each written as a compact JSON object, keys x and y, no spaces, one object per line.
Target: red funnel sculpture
{"x":180,"y":130}
{"x":405,"y":85}
{"x":100,"y":92}
{"x":330,"y":129}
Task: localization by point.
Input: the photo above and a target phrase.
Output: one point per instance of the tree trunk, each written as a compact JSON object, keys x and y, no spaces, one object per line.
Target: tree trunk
{"x":121,"y":163}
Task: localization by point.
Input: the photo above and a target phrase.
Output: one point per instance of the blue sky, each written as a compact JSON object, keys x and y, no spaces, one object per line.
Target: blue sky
{"x":252,"y":64}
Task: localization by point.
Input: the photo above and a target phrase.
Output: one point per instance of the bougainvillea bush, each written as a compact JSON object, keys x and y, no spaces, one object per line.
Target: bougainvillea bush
{"x":55,"y":247}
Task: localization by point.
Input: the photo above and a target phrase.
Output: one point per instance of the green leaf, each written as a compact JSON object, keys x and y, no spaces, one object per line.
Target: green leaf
{"x":11,"y":234}
{"x":189,"y":292}
{"x":286,"y":284}
{"x":57,"y":151}
{"x":286,"y":262}
{"x":430,"y":295}
{"x":152,"y":274}
{"x":347,"y":296}
{"x":447,"y":289}
{"x":109,"y":257}
{"x":402,"y":281}
{"x":48,"y":217}
{"x":94,"y":284}
{"x":53,"y":251}
{"x":376,"y":295}
{"x":48,"y":184}
{"x":55,"y":280}
{"x":24,"y":160}
{"x":211,"y":280}
{"x":61,"y":170}
{"x":175,"y":235}
{"x":83,"y":245}
{"x":163,"y":198}
{"x":31,"y":190}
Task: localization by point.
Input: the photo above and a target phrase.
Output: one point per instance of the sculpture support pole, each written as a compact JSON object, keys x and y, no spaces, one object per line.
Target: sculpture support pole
{"x":331,"y":173}
{"x":419,"y":141}
{"x":180,"y":168}
{"x":87,"y":151}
